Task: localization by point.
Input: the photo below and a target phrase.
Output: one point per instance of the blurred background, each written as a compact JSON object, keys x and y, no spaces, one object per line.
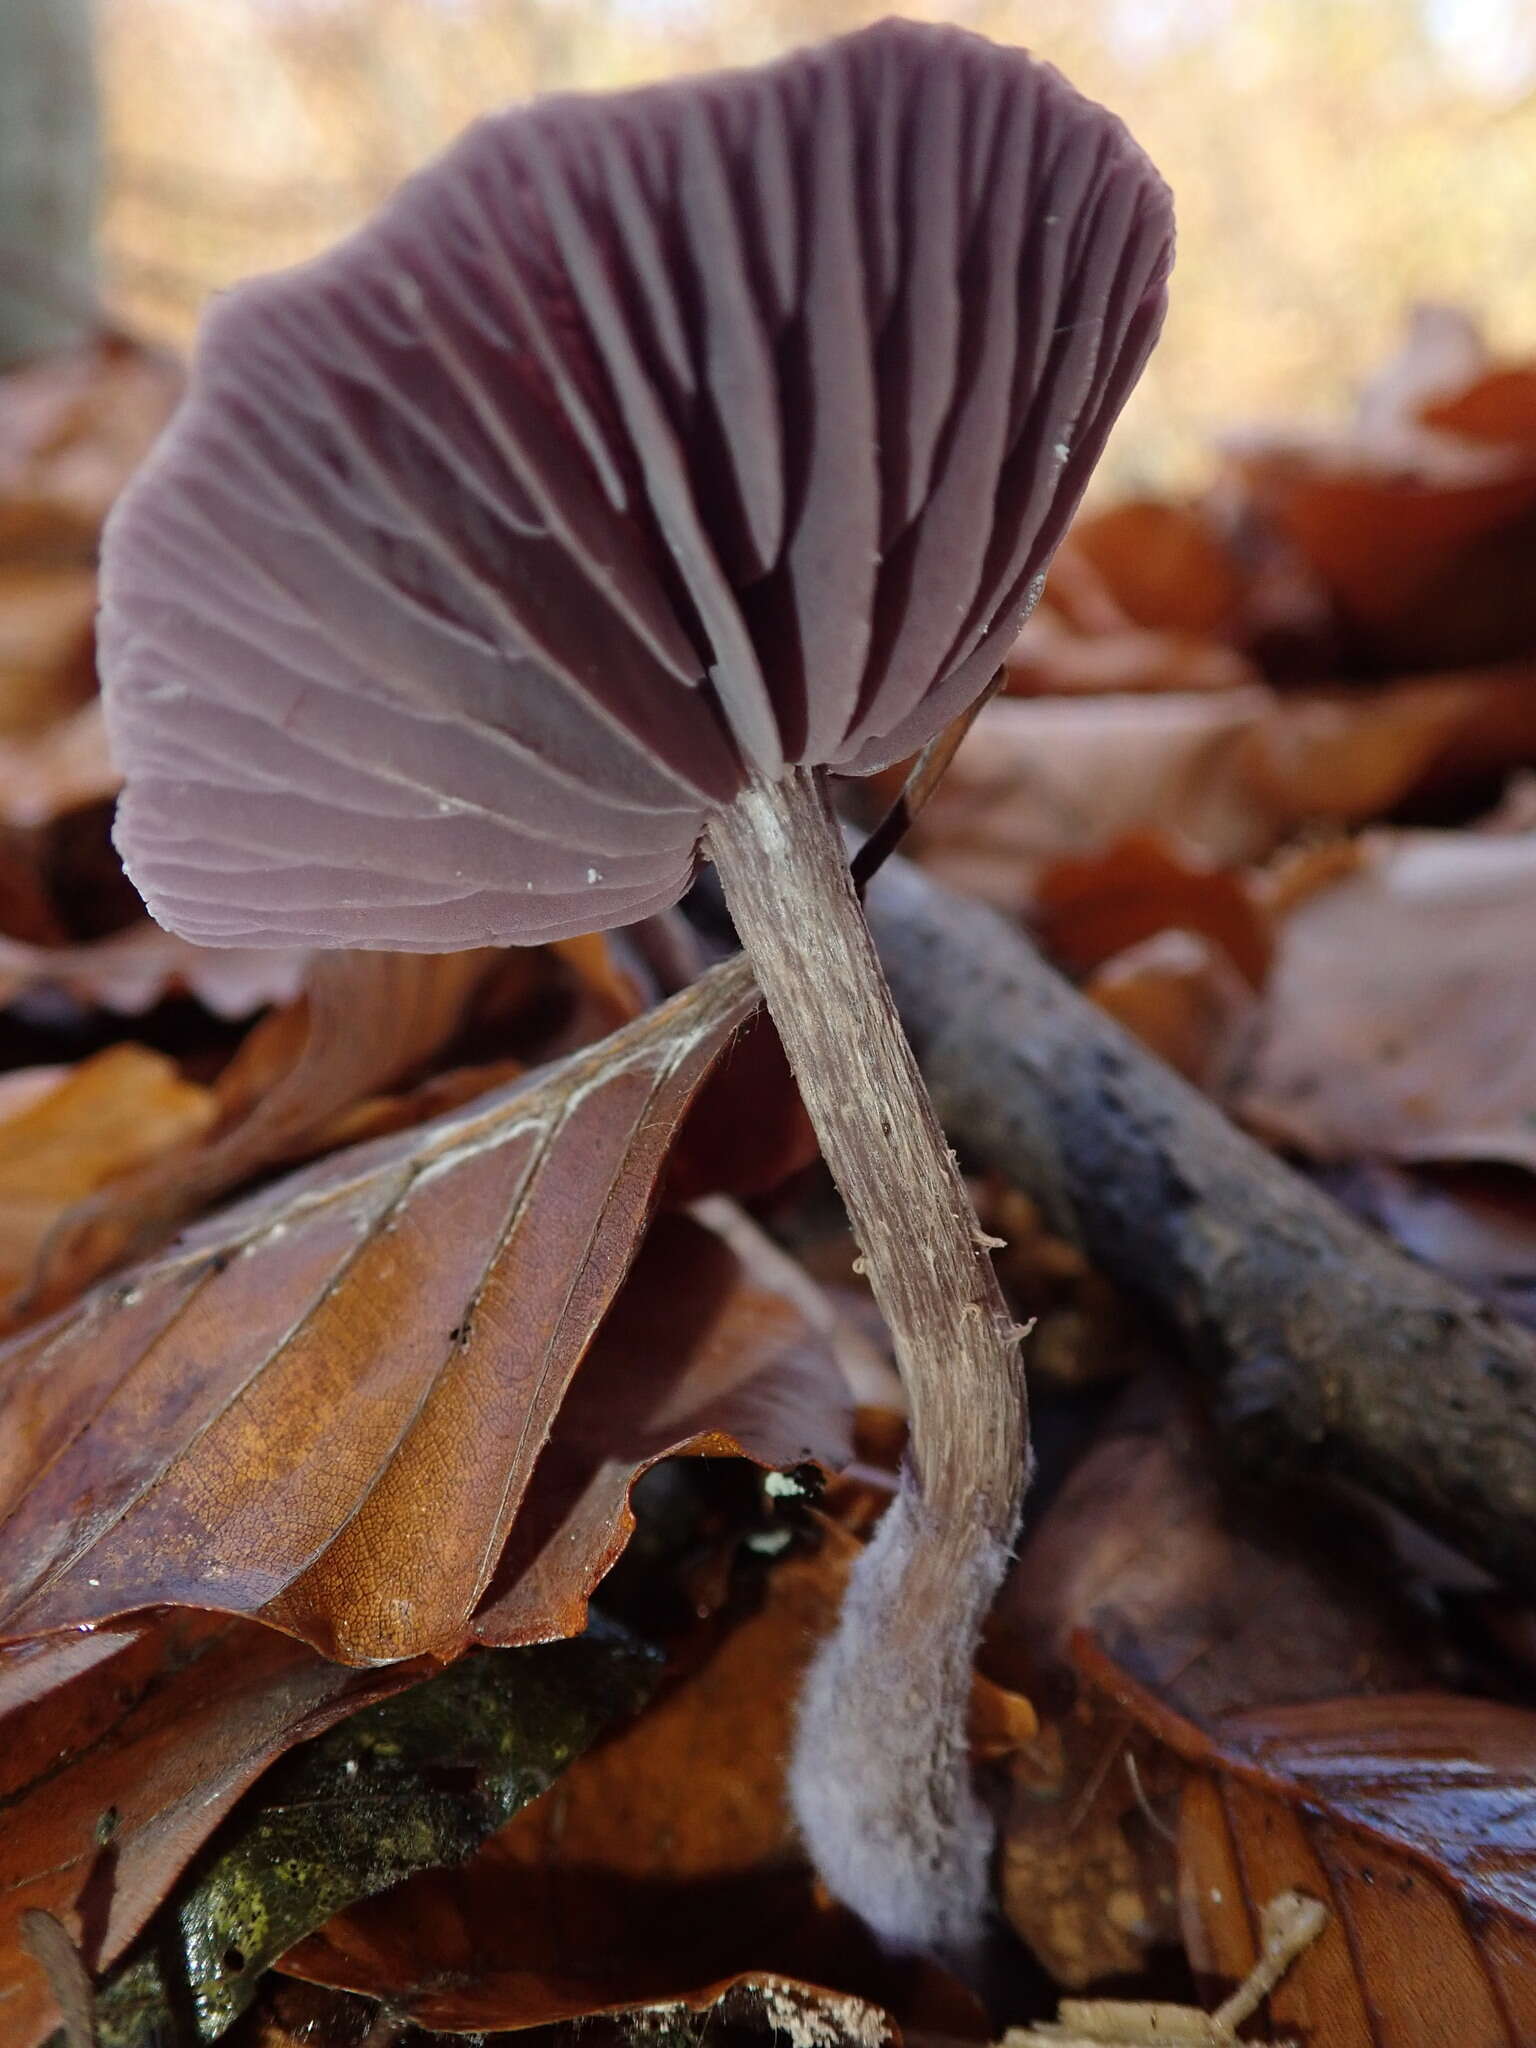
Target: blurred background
{"x":1334,"y":160}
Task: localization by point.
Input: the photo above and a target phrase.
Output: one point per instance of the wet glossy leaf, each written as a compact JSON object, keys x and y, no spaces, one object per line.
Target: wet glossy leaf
{"x":411,"y":1783}
{"x":122,"y":1752}
{"x":325,"y":1407}
{"x":1412,"y":1817}
{"x":663,"y":1868}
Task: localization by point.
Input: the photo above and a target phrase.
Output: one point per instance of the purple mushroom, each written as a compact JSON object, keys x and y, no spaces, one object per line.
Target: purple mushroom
{"x":647,"y":457}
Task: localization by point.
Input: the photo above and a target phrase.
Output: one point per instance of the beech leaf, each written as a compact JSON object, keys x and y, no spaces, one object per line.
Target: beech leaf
{"x":115,"y":1115}
{"x":324,"y":1407}
{"x":708,"y":1350}
{"x":1412,"y":1817}
{"x":132,"y":970}
{"x":363,"y":1021}
{"x":1396,"y":1024}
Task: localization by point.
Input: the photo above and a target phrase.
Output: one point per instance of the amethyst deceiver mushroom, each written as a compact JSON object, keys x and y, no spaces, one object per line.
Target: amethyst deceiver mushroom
{"x":645,"y":458}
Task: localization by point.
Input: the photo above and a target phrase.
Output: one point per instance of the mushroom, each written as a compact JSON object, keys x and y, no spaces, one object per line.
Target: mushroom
{"x":646,"y":459}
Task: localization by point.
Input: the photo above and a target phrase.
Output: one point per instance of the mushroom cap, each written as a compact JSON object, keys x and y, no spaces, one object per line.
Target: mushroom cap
{"x":642,"y":443}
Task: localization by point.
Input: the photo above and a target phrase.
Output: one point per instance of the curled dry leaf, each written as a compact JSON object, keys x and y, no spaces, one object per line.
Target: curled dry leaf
{"x":708,"y":1350}
{"x":365,"y":1020}
{"x":1089,"y":907}
{"x":1185,"y":1001}
{"x":98,"y":1122}
{"x":133,"y":970}
{"x":1161,"y":565}
{"x":1397,"y":1022}
{"x":115,"y":1774}
{"x":1410,"y":1816}
{"x":324,"y":1407}
{"x":1231,"y":773}
{"x":1419,"y":533}
{"x":328,"y":1408}
{"x":664,"y":1866}
{"x":1217,"y":1599}
{"x":1210,"y":1597}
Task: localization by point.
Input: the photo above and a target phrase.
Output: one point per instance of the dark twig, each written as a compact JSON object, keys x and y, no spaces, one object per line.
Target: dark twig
{"x":1330,"y":1352}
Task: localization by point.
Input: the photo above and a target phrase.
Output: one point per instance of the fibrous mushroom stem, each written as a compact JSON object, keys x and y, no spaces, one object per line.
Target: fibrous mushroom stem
{"x":880,"y":1777}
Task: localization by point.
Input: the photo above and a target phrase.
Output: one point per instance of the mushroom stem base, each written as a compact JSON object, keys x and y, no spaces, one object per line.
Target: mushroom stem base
{"x":881,"y":1774}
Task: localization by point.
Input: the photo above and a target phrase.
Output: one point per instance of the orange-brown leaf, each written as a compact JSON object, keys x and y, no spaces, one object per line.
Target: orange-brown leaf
{"x":1232,"y":772}
{"x":115,"y":1112}
{"x":664,"y":1866}
{"x":1163,"y":563}
{"x":324,"y":1408}
{"x":1411,"y":1816}
{"x":365,"y":1020}
{"x":706,"y":1351}
{"x":1088,"y":907}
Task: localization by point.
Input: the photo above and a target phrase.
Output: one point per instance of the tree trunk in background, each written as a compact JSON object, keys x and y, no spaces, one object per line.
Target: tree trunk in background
{"x":49,"y":173}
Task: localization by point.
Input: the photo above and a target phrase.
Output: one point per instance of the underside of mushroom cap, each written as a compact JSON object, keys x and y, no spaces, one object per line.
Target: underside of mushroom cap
{"x":643,"y":443}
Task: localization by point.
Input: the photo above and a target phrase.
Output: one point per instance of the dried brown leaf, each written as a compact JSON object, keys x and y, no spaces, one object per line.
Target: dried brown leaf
{"x":663,"y":1866}
{"x":1184,"y":1000}
{"x":364,"y":1021}
{"x":1396,"y":1024}
{"x":1089,"y":907}
{"x":1164,"y":564}
{"x":708,"y":1351}
{"x":116,"y":1112}
{"x":1232,"y":773}
{"x":324,"y":1407}
{"x":1211,"y":1599}
{"x":1410,"y":1816}
{"x":1421,"y":536}
{"x":133,"y":970}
